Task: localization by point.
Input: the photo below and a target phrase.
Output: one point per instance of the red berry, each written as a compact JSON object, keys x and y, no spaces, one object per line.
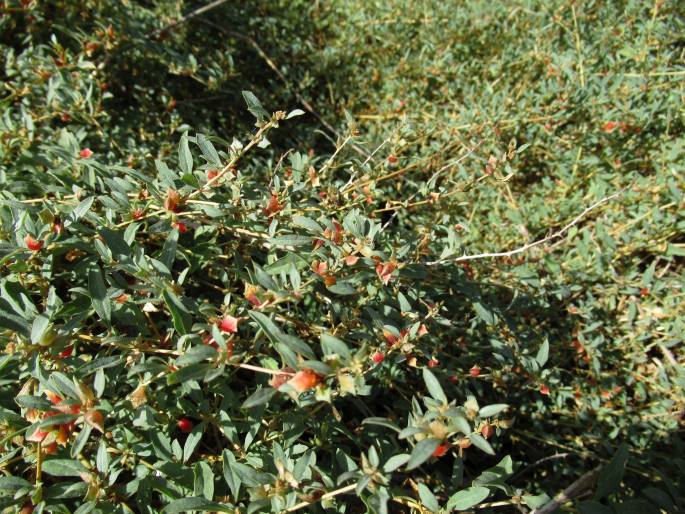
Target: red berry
{"x":544,"y":389}
{"x":229,"y":324}
{"x":86,"y":153}
{"x":137,"y":214}
{"x":185,"y":425}
{"x":66,"y":353}
{"x":32,"y":244}
{"x":378,"y":357}
{"x":487,"y":431}
{"x":441,"y":450}
{"x":474,"y":371}
{"x":433,"y":363}
{"x":182,"y":227}
{"x":644,"y":292}
{"x":304,"y":380}
{"x":392,"y":159}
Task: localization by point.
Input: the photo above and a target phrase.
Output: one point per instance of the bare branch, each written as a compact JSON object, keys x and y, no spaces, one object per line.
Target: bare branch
{"x":556,"y":235}
{"x":326,"y":496}
{"x":584,"y":483}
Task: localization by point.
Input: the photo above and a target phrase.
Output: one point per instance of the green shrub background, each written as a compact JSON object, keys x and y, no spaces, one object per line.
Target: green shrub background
{"x":585,"y":97}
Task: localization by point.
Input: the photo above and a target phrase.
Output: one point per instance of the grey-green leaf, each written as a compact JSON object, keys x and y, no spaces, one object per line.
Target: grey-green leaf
{"x":422,"y":452}
{"x":467,"y":498}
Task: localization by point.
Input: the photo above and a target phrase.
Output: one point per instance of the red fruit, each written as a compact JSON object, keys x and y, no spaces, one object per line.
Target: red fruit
{"x":279,"y":379}
{"x":185,"y":425}
{"x":610,"y":126}
{"x":544,"y":389}
{"x":122,"y":298}
{"x":304,"y":380}
{"x":229,"y":324}
{"x":441,"y":450}
{"x":272,"y":206}
{"x":57,"y":228}
{"x":385,"y":270}
{"x":474,"y":371}
{"x":172,"y":200}
{"x":320,"y":268}
{"x":182,"y":227}
{"x":487,"y":431}
{"x":65,"y":118}
{"x":137,"y":214}
{"x":66,"y":353}
{"x":351,"y":260}
{"x":644,"y":292}
{"x":392,"y":159}
{"x":86,"y":153}
{"x":32,"y":244}
{"x":433,"y":363}
{"x":212,"y":174}
{"x":390,"y":337}
{"x":378,"y":357}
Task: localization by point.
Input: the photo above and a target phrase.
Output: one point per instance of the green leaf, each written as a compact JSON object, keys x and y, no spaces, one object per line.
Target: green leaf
{"x":491,"y":410}
{"x":535,"y":501}
{"x":39,"y":328}
{"x":428,"y":498}
{"x":255,"y":106}
{"x":208,"y":150}
{"x":204,"y":480}
{"x":192,"y":441}
{"x":543,"y":353}
{"x":331,"y":345}
{"x":481,"y":443}
{"x":34,"y":402}
{"x":433,"y":386}
{"x":381,"y":422}
{"x":168,"y":255}
{"x":467,"y":498}
{"x":293,"y":113}
{"x":422,"y":452}
{"x":342,"y":289}
{"x":611,"y":475}
{"x":63,"y":468}
{"x":395,"y":462}
{"x":307,"y":223}
{"x":191,"y":372}
{"x":98,"y":294}
{"x":230,"y":476}
{"x":483,"y":313}
{"x":197,"y":503}
{"x":115,"y":242}
{"x":79,"y":211}
{"x":102,"y":458}
{"x":290,"y":240}
{"x":185,"y":158}
{"x":181,"y":317}
{"x":277,"y":336}
{"x":259,"y":397}
{"x":14,"y":484}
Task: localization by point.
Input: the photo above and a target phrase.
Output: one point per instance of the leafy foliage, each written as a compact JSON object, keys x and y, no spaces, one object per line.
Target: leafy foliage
{"x":206,"y":305}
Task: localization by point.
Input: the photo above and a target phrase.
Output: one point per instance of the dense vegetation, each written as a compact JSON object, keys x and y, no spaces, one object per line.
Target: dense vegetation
{"x":247,"y":263}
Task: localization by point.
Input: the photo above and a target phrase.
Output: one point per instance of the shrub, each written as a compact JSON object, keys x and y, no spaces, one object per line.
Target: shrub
{"x":411,"y":320}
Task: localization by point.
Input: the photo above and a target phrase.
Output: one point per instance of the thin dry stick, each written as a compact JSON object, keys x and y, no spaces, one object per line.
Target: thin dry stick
{"x":193,"y":14}
{"x":528,"y":246}
{"x":268,"y":371}
{"x":585,"y":482}
{"x":326,"y":496}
